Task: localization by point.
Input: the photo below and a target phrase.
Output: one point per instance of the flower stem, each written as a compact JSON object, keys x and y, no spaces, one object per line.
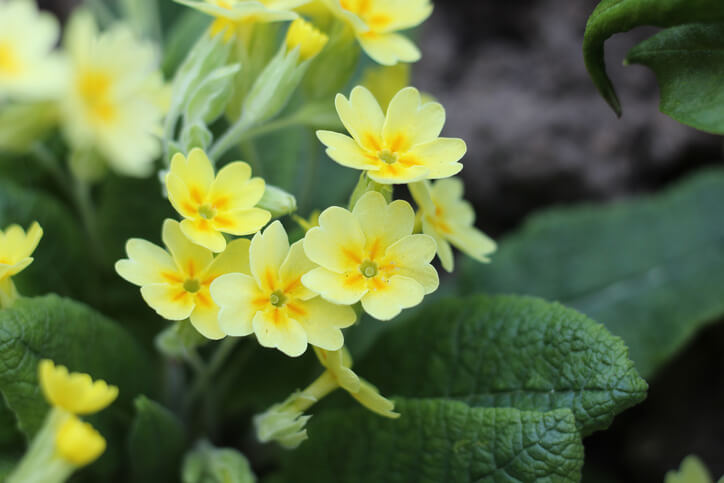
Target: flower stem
{"x":232,"y":136}
{"x":223,"y":351}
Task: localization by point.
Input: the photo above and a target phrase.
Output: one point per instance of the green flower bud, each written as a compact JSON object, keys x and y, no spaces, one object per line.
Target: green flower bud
{"x":277,"y":201}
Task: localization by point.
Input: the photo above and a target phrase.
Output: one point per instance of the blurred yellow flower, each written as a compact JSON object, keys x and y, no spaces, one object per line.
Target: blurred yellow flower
{"x":176,"y":285}
{"x":402,"y":147}
{"x":16,"y":248}
{"x":29,"y":69}
{"x":74,"y":392}
{"x":306,"y":37}
{"x":376,"y":23}
{"x":231,"y":15}
{"x":116,"y":98}
{"x":386,"y":81}
{"x":212,"y":205}
{"x":371,"y":255}
{"x":448,"y":218}
{"x":78,"y":443}
{"x":272,"y":302}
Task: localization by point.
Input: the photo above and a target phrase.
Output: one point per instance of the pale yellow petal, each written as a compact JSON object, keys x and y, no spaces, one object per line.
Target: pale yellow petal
{"x":337,"y":243}
{"x":205,"y":319}
{"x":204,"y":235}
{"x":235,"y":259}
{"x":11,"y":270}
{"x":241,"y":222}
{"x":171,"y":302}
{"x":342,"y":289}
{"x":295,"y":265}
{"x":404,"y":15}
{"x":448,"y":191}
{"x":421,"y":193}
{"x":190,"y":259}
{"x":196,"y":172}
{"x":440,"y":156}
{"x":472,"y":242}
{"x":267,"y":253}
{"x":411,"y":258}
{"x":235,"y":294}
{"x":370,"y":397}
{"x":78,"y":443}
{"x":345,"y":151}
{"x":322,"y":322}
{"x":390,"y":48}
{"x":362,"y":116}
{"x":147,"y":264}
{"x":444,"y":251}
{"x":274,"y":329}
{"x":75,"y":392}
{"x":178,"y":195}
{"x":399,"y":173}
{"x":398,"y":293}
{"x":338,"y":363}
{"x":410,"y":122}
{"x":381,"y":223}
{"x":234,"y":189}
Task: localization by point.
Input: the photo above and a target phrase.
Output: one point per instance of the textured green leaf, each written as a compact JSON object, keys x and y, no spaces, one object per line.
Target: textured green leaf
{"x":10,"y":437}
{"x":651,"y":270}
{"x":206,"y":464}
{"x":60,"y":253}
{"x":689,"y":66}
{"x":438,"y":441}
{"x":156,"y":443}
{"x":508,"y":351}
{"x":71,"y":334}
{"x":614,"y":16}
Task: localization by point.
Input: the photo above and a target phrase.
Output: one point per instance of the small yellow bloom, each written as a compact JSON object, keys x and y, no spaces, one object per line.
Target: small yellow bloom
{"x":370,"y":254}
{"x":307,"y":38}
{"x":215,"y":205}
{"x":16,"y":246}
{"x":386,"y":81}
{"x":376,"y":23}
{"x":74,"y":392}
{"x":78,"y":443}
{"x":29,"y":69}
{"x":176,"y":285}
{"x":116,"y":98}
{"x":338,"y":364}
{"x":448,"y":218}
{"x":232,"y":15}
{"x":272,"y":302}
{"x":402,"y":147}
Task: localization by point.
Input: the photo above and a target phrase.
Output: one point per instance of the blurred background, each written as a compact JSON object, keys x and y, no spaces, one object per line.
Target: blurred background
{"x":512,"y":79}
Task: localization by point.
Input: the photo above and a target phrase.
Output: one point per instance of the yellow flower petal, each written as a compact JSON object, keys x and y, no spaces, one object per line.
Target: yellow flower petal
{"x":338,"y":363}
{"x":444,"y":251}
{"x":410,"y":122}
{"x":362,"y":116}
{"x":205,"y":317}
{"x":322,"y":322}
{"x":235,"y":259}
{"x":337,"y":242}
{"x":10,"y":270}
{"x":398,"y":293}
{"x":196,"y":172}
{"x":370,"y":397}
{"x":190,"y":259}
{"x":241,"y":222}
{"x":472,"y":242}
{"x":75,"y":392}
{"x":235,"y":293}
{"x":178,"y":195}
{"x":267,"y":253}
{"x":440,"y":156}
{"x":234,"y":189}
{"x":295,"y":265}
{"x":411,"y":257}
{"x":345,"y":151}
{"x":420,"y":192}
{"x":203,"y":234}
{"x":403,"y":15}
{"x":381,"y":223}
{"x":16,"y":246}
{"x":389,"y":48}
{"x":274,"y":329}
{"x":397,"y":174}
{"x":171,"y":302}
{"x":78,"y":442}
{"x":342,"y":289}
{"x":147,"y":264}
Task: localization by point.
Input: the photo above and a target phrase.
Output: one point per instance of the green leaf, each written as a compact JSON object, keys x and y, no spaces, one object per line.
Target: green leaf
{"x":206,"y":464}
{"x":651,"y":270}
{"x":7,"y":463}
{"x":60,"y":253}
{"x":156,"y":442}
{"x":614,"y":16}
{"x":439,"y":440}
{"x":10,"y":437}
{"x":508,"y":351}
{"x":689,"y":66}
{"x":71,"y":334}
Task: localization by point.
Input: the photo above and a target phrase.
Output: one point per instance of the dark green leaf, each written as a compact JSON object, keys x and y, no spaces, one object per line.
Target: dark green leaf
{"x":10,"y":437}
{"x":439,"y":441}
{"x":651,"y":270}
{"x":614,"y":16}
{"x":689,"y":66}
{"x":156,"y":443}
{"x":508,"y":351}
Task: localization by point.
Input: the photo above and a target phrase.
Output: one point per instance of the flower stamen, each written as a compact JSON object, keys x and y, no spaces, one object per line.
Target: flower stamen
{"x":192,"y":285}
{"x":368,"y":269}
{"x":387,"y":156}
{"x":277,"y":298}
{"x":207,"y":212}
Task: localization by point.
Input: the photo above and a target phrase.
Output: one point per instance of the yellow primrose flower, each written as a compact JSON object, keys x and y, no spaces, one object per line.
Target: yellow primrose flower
{"x":215,"y":205}
{"x":78,"y":442}
{"x":338,"y":365}
{"x":29,"y":69}
{"x":176,"y":285}
{"x":448,"y":218}
{"x":272,"y":302}
{"x":401,"y":147}
{"x":376,"y":23}
{"x":370,"y":254}
{"x":74,"y":392}
{"x":386,"y":81}
{"x":116,"y":98}
{"x":306,"y":37}
{"x":16,"y":246}
{"x":232,"y":15}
